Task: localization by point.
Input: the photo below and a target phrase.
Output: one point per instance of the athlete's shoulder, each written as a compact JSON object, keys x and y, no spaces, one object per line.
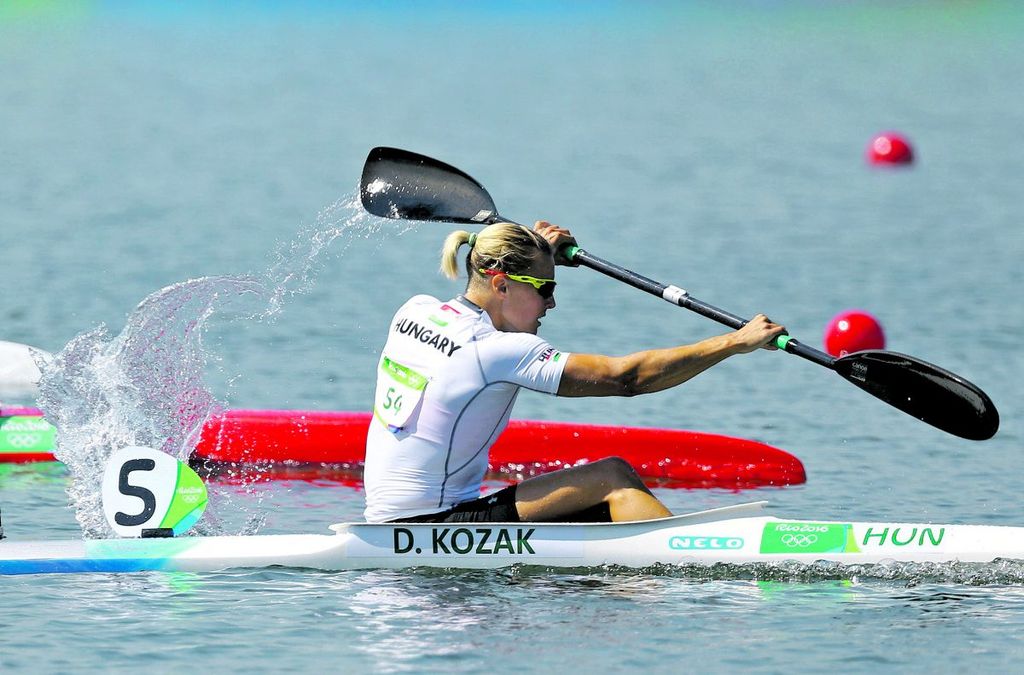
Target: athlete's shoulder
{"x":523,"y":359}
{"x":417,"y":304}
{"x":421,"y":300}
{"x":508,"y":344}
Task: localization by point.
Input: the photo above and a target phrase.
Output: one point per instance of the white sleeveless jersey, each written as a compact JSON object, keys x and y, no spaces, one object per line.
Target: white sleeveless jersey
{"x":446,"y":383}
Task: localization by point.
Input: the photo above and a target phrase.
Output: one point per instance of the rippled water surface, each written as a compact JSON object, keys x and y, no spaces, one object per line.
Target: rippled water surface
{"x":148,"y":145}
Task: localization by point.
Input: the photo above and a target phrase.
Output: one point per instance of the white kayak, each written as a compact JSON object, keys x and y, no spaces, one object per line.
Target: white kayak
{"x":736,"y":534}
{"x":19,"y":371}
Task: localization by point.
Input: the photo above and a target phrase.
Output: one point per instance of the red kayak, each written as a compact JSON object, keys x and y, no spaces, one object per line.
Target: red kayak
{"x":292,"y":439}
{"x":309,"y":444}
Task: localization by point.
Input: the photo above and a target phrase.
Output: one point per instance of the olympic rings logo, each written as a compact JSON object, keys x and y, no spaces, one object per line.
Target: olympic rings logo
{"x":799,"y":540}
{"x":23,"y":440}
{"x":191,"y":495}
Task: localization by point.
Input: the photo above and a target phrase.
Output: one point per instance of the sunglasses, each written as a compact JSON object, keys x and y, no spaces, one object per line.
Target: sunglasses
{"x":545,"y":287}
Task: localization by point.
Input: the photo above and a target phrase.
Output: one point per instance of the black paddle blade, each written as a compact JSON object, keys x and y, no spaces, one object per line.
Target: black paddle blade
{"x":404,"y":185}
{"x":925,"y":391}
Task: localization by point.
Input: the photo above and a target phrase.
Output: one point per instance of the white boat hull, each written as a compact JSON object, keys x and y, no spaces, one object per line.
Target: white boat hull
{"x":738,"y":534}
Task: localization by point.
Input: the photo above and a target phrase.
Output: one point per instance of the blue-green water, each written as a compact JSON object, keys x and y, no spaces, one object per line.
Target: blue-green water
{"x":143,"y":145}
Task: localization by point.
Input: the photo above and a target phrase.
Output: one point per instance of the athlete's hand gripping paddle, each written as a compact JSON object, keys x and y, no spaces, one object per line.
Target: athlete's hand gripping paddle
{"x":404,"y":185}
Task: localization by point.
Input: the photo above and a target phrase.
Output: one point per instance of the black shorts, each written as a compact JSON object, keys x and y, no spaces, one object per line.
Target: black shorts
{"x":500,"y":507}
{"x":497,"y":507}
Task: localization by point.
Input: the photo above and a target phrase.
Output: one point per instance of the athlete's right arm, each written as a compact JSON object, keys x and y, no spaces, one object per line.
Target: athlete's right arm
{"x":658,"y":369}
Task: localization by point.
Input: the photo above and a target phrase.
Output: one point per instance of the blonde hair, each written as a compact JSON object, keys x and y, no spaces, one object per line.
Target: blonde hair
{"x":502,"y":246}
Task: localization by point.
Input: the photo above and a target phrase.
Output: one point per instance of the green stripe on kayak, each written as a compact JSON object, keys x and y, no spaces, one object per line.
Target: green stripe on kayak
{"x":26,"y":433}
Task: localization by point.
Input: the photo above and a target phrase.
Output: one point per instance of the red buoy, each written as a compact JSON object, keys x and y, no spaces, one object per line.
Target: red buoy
{"x":890,"y":148}
{"x":853,"y":331}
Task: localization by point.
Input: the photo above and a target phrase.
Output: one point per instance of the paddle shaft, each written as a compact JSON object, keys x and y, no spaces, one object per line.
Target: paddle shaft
{"x":678,"y":296}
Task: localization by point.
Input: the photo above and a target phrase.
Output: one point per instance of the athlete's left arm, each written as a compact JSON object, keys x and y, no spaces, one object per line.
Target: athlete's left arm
{"x":657,"y":369}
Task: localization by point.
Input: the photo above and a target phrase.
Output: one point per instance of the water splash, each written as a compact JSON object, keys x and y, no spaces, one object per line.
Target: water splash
{"x":145,"y":386}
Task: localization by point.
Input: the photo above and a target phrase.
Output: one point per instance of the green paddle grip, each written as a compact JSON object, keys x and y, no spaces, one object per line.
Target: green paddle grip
{"x":781,"y":341}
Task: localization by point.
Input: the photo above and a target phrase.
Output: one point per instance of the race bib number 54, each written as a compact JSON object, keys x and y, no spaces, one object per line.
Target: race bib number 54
{"x":399,"y":391}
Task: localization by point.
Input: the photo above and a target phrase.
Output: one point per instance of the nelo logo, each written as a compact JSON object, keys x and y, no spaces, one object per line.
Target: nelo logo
{"x":718,"y":543}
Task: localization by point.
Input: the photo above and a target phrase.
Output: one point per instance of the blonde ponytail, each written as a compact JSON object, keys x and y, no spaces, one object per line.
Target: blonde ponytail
{"x":450,"y":253}
{"x":502,"y":246}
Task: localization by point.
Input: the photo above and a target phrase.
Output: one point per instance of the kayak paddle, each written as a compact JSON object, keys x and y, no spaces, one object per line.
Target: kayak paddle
{"x":404,"y":185}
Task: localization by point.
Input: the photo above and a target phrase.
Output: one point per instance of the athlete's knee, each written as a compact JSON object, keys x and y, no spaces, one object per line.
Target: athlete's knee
{"x":616,"y":464}
{"x":618,"y":471}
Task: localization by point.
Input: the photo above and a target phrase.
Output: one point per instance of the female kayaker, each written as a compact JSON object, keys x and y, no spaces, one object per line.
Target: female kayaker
{"x":450,"y":372}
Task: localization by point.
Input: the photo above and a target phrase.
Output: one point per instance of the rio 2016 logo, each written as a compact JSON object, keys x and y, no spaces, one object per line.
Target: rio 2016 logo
{"x":805,"y":538}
